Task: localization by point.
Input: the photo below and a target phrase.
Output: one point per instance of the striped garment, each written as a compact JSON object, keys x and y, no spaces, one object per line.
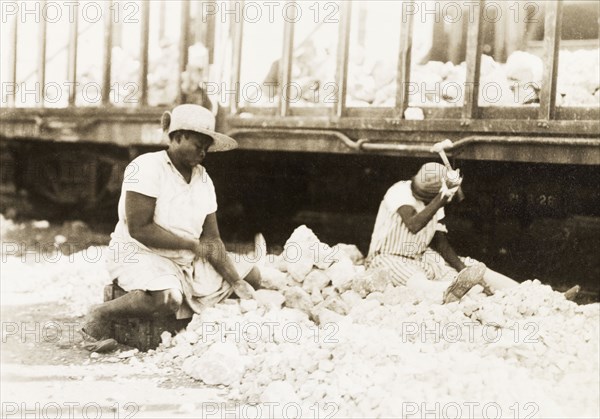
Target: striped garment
{"x":396,"y":249}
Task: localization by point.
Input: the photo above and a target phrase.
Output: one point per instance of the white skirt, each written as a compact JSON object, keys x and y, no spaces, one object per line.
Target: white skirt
{"x":201,"y":285}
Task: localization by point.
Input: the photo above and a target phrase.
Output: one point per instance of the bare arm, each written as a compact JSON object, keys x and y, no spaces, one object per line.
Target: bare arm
{"x":139,"y":210}
{"x":441,"y":245}
{"x":415,"y":221}
{"x":214,"y":250}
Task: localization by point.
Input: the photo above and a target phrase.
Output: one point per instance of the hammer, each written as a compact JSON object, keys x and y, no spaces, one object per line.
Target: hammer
{"x":440,"y":148}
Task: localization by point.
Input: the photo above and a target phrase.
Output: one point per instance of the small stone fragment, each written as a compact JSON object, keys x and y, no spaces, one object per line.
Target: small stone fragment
{"x":165,"y":338}
{"x":269,"y":298}
{"x":220,"y":364}
{"x":128,"y":354}
{"x":328,"y":292}
{"x":371,"y":280}
{"x":336,"y":304}
{"x":248,"y":305}
{"x":376,"y":296}
{"x":351,"y":298}
{"x":296,"y":297}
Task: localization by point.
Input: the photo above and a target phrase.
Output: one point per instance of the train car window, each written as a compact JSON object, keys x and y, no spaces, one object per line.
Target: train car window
{"x":579,"y":21}
{"x":373,"y":53}
{"x":89,"y":61}
{"x":262,"y":45}
{"x":163,"y":52}
{"x":26,"y":75}
{"x":314,"y":56}
{"x":512,"y":71}
{"x":56,"y":94}
{"x":578,"y":82}
{"x":512,"y":67}
{"x":438,"y":70}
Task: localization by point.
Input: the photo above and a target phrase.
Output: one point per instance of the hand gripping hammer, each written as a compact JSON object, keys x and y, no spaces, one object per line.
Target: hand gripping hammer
{"x":440,"y":148}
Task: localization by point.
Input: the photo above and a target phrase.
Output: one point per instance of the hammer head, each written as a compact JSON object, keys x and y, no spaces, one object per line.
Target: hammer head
{"x":442,"y":145}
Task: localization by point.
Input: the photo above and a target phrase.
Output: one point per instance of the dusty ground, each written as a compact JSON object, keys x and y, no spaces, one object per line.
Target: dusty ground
{"x":44,"y":367}
{"x":42,"y":370}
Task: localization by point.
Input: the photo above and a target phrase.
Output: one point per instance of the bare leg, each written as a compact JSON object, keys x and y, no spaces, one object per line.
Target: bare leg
{"x":450,"y":290}
{"x":497,"y":281}
{"x":141,"y":303}
{"x":254,"y":278}
{"x":434,"y":289}
{"x":135,"y":303}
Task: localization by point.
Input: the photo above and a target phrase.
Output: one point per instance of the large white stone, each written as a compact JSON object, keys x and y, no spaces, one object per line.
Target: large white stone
{"x":294,"y":315}
{"x":303,"y":250}
{"x":272,"y":278}
{"x":400,"y":295}
{"x":324,"y":255}
{"x":280,"y":393}
{"x":248,"y":305}
{"x":322,"y":316}
{"x":315,"y":279}
{"x":299,"y":252}
{"x":220,"y":364}
{"x":341,"y":274}
{"x":301,"y":235}
{"x":350,"y":251}
{"x":525,"y":68}
{"x":269,"y":298}
{"x":299,"y":267}
{"x":278,"y":262}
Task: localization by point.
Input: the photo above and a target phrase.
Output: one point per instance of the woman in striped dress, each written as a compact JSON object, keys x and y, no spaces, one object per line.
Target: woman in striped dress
{"x":409,"y":239}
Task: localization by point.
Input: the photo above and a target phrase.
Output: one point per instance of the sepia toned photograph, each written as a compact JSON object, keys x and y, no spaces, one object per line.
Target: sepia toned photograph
{"x":315,"y":209}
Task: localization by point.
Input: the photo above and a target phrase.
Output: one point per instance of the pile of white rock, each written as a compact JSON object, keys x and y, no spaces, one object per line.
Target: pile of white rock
{"x":578,"y":81}
{"x":516,"y":82}
{"x":328,"y":338}
{"x":325,"y":337}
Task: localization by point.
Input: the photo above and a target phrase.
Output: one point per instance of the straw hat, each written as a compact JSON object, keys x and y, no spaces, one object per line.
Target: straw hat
{"x":198,"y":119}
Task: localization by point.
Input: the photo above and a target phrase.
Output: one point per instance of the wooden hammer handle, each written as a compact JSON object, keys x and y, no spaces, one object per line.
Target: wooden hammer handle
{"x":459,"y":193}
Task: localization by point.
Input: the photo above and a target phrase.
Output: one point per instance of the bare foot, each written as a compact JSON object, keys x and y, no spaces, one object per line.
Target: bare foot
{"x":572,"y":292}
{"x":260,"y":249}
{"x":95,"y":326}
{"x":102,"y":346}
{"x":464,"y":281}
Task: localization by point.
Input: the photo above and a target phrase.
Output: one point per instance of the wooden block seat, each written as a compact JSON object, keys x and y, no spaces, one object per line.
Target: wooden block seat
{"x":141,"y":333}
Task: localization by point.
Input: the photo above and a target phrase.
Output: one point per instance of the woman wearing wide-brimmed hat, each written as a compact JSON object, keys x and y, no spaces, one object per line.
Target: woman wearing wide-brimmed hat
{"x":166,"y":248}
